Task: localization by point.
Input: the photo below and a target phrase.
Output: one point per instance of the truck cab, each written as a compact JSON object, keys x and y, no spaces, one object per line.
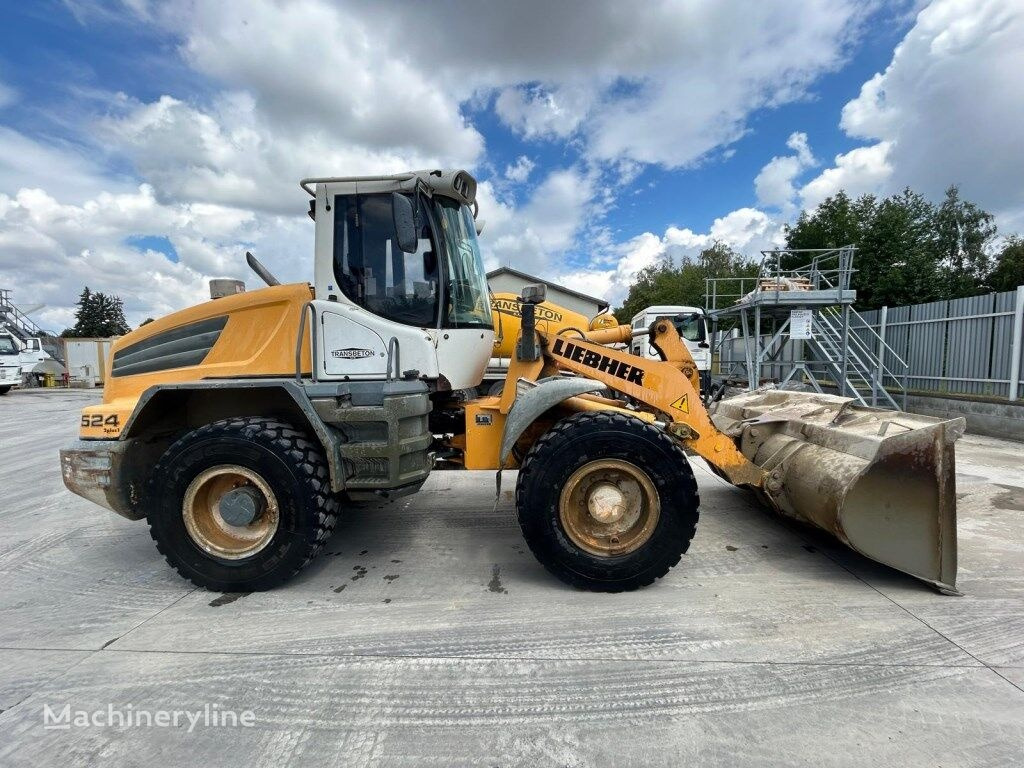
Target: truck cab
{"x":692,"y":325}
{"x":10,"y":363}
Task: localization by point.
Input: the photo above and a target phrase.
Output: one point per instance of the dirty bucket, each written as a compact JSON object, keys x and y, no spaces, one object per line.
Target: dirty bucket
{"x":882,"y":482}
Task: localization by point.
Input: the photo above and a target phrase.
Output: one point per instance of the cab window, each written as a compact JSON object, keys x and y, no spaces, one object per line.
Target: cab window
{"x":688,"y":329}
{"x":373,"y":272}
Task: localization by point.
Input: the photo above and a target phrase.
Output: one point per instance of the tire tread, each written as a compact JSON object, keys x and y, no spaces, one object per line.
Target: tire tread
{"x":307,"y":457}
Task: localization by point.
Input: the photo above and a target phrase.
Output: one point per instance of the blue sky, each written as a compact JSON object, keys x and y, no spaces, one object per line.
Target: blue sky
{"x":144,"y":146}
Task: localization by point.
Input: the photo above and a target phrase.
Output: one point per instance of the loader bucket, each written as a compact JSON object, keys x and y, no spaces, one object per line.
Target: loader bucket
{"x":882,"y":482}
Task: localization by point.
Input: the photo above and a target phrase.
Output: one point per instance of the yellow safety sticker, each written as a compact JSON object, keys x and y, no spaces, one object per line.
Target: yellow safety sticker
{"x":682,"y":404}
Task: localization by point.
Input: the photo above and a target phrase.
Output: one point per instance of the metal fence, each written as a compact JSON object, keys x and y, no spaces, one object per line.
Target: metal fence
{"x":971,"y":346}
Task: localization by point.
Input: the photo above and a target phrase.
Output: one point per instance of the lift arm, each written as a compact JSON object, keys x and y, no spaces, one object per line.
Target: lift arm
{"x":663,"y":386}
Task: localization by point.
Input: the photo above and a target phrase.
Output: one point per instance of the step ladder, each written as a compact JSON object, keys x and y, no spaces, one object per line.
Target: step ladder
{"x":22,"y":327}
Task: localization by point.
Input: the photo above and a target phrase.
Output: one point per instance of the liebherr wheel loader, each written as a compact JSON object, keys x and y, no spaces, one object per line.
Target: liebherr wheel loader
{"x":240,"y":428}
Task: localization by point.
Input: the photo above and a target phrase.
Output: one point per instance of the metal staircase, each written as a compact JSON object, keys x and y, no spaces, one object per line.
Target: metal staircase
{"x":842,"y":351}
{"x":865,"y":369}
{"x":24,"y":328}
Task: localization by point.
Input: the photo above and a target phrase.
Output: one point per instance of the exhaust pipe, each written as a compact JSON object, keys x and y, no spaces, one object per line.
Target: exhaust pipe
{"x":882,"y":482}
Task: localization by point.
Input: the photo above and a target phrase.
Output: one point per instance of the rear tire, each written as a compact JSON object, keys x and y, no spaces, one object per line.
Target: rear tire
{"x":276,"y":463}
{"x":4,"y":390}
{"x":628,"y":459}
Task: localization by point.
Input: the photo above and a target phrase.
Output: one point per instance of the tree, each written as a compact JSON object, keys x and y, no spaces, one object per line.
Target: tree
{"x":964,"y":233}
{"x":98,"y":316}
{"x":897,"y":261}
{"x":1009,"y":267}
{"x":836,"y":222}
{"x":664,"y":283}
{"x":908,"y":249}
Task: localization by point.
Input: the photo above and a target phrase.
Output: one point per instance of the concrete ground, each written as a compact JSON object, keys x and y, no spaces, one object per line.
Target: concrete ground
{"x":428,"y":635}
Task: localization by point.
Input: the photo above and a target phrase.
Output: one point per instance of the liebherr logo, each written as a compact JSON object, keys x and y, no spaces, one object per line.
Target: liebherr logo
{"x":598,"y":362}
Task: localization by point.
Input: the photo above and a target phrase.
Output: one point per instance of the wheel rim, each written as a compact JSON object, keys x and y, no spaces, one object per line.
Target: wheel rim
{"x":216,"y":505}
{"x":609,"y":507}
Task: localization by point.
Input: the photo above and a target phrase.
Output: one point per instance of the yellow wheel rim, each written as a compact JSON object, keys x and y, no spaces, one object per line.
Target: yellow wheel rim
{"x":206,"y":508}
{"x":609,"y":507}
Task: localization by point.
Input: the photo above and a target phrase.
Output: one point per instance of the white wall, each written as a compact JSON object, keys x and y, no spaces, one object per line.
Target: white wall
{"x":508,"y":283}
{"x":87,"y":358}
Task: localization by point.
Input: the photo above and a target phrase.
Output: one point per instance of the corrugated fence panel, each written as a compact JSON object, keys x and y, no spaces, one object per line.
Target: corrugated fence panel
{"x":1002,"y":343}
{"x":946,"y":343}
{"x":926,"y":346}
{"x":970,"y":345}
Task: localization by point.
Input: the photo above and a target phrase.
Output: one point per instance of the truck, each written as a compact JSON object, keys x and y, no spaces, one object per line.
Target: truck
{"x":692,"y":325}
{"x":239,"y":429}
{"x":10,"y":362}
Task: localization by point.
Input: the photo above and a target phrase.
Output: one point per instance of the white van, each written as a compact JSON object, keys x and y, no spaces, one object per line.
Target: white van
{"x":692,"y":324}
{"x":10,"y":363}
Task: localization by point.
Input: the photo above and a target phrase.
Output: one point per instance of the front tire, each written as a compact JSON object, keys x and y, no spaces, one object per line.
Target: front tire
{"x":4,"y":390}
{"x":241,"y":505}
{"x":607,"y":502}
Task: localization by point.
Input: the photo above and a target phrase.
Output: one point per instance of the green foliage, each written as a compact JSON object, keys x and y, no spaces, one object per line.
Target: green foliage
{"x":664,"y":283}
{"x":1009,"y":269}
{"x":98,"y":316}
{"x":909,"y":250}
{"x":964,"y":235}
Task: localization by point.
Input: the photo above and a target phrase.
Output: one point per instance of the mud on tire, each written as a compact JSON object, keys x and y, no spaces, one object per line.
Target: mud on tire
{"x":290,"y":463}
{"x":589,"y":437}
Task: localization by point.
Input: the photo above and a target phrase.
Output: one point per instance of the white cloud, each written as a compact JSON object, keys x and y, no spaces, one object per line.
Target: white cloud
{"x":859,"y":171}
{"x":28,"y":162}
{"x":50,"y":250}
{"x":774,"y":184}
{"x":536,"y":112}
{"x":946,"y":110}
{"x":520,"y":170}
{"x":720,"y":62}
{"x":657,"y":83}
{"x":316,"y":88}
{"x":747,"y":230}
{"x":346,"y":73}
{"x":533,"y":236}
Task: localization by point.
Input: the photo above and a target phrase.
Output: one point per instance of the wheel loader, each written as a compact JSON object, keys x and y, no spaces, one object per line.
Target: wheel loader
{"x":239,"y":429}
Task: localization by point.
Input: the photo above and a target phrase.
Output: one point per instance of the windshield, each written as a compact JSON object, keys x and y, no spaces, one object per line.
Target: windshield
{"x":688,"y":329}
{"x":7,"y":346}
{"x":466,"y":299}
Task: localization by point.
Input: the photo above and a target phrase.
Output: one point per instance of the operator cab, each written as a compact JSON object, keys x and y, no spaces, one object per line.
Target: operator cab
{"x":397,"y":258}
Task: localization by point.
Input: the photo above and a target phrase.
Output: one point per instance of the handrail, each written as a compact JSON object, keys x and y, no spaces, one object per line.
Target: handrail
{"x":864,"y":323}
{"x":307,"y":307}
{"x":858,"y":342}
{"x":393,"y":344}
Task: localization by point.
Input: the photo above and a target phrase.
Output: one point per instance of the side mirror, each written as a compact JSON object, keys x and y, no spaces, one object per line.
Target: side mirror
{"x":404,"y":218}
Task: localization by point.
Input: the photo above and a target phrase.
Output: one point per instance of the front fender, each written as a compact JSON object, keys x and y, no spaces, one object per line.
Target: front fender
{"x":538,"y":398}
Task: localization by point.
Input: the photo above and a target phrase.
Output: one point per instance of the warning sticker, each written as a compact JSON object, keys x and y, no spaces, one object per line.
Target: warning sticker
{"x":682,"y":404}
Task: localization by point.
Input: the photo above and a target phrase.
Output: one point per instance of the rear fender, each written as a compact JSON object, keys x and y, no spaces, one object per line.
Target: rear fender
{"x":216,"y":399}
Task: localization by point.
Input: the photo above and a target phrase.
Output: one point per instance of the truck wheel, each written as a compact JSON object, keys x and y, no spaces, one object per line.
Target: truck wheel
{"x":4,"y":390}
{"x":242,"y":504}
{"x":607,"y":502}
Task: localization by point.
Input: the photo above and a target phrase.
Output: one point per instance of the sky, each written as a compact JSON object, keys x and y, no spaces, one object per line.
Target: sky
{"x":144,"y":146}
